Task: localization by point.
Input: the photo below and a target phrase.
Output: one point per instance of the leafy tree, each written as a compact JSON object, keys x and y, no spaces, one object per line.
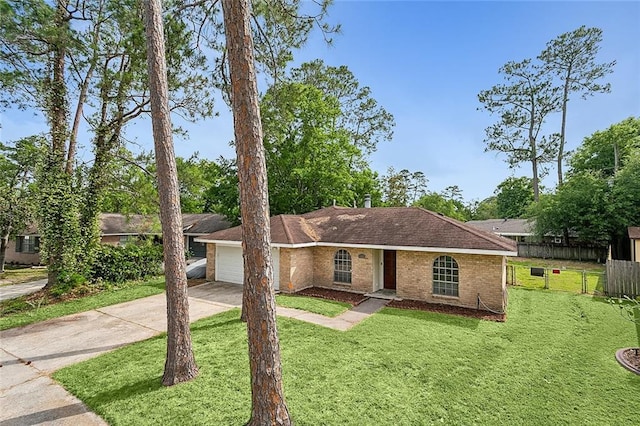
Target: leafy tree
{"x":17,"y":169}
{"x":572,"y":58}
{"x":608,"y":150}
{"x":310,"y":161}
{"x":623,"y":208}
{"x":361,"y":117}
{"x":98,"y":47}
{"x":485,"y":209}
{"x":596,"y":202}
{"x":445,"y":204}
{"x":193,"y":178}
{"x":513,"y":197}
{"x":132,"y":187}
{"x":180,"y":365}
{"x":223,"y":196}
{"x":579,"y":205}
{"x":523,"y":104}
{"x":267,"y":402}
{"x":404,"y":187}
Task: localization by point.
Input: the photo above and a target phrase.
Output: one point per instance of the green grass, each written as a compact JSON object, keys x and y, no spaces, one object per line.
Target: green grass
{"x":21,"y":274}
{"x":328,"y":308}
{"x":569,"y":278}
{"x":551,"y":363}
{"x":40,"y":311}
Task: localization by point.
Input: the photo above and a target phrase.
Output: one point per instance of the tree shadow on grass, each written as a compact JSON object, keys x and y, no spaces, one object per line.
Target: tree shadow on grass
{"x":208,"y":325}
{"x":128,"y":391}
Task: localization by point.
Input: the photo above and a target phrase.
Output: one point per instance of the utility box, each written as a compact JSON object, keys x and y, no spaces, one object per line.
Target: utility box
{"x":537,"y":272}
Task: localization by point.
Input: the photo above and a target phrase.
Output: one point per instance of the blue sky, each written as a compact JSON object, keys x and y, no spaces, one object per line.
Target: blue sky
{"x":425,"y":62}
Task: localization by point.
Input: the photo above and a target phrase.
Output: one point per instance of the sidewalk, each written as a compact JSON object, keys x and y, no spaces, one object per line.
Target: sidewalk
{"x":28,"y":355}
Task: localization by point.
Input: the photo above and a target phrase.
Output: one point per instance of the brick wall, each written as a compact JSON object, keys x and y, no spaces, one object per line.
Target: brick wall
{"x":211,"y":262}
{"x":296,"y":269}
{"x":478,"y":275}
{"x":361,"y":269}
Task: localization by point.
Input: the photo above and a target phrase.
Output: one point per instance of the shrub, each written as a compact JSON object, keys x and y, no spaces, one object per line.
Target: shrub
{"x":130,"y":262}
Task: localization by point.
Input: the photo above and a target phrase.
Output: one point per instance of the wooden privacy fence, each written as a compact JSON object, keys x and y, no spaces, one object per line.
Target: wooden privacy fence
{"x":623,"y":279}
{"x":554,"y":251}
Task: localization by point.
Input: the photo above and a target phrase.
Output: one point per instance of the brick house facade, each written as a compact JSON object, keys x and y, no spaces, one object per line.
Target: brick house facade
{"x":418,"y":254}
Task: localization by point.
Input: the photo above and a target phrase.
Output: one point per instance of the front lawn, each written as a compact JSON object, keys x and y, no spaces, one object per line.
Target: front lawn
{"x":35,"y":308}
{"x":551,"y":362}
{"x":21,"y":274}
{"x":328,"y":308}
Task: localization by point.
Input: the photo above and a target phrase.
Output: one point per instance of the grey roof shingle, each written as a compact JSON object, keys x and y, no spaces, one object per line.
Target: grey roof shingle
{"x":504,"y":226}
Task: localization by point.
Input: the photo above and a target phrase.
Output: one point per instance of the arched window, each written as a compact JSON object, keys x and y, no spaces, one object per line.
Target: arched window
{"x":445,"y":276}
{"x":342,"y":267}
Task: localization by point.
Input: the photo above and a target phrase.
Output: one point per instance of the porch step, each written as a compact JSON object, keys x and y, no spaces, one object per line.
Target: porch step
{"x":383,"y":294}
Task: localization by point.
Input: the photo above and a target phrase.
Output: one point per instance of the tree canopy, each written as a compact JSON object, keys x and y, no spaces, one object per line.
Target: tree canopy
{"x":596,"y":202}
{"x":513,"y":197}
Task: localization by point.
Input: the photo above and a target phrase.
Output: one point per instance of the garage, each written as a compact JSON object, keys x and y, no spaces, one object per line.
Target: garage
{"x":230,"y":265}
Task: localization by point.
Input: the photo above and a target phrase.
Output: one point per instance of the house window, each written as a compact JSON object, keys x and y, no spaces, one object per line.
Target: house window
{"x":445,"y":276}
{"x":342,"y":267}
{"x":27,"y":244}
{"x":126,"y":239}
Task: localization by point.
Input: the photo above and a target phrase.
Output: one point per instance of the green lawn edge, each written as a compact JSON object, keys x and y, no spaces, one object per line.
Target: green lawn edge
{"x":130,"y":291}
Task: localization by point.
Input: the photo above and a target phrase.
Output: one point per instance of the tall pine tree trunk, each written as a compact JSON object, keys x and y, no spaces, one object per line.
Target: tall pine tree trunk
{"x":268,"y":406}
{"x":180,"y":365}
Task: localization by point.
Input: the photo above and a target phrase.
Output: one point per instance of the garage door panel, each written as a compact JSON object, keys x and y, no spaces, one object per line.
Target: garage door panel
{"x":230,"y":265}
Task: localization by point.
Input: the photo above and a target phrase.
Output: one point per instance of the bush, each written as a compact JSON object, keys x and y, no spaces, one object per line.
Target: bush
{"x":117,"y":264}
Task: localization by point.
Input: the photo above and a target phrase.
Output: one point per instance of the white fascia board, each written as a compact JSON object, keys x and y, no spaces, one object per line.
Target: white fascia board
{"x":239,"y":243}
{"x":375,"y":247}
{"x":219,"y":242}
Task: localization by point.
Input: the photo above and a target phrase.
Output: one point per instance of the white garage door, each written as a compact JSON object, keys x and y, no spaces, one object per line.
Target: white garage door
{"x":230,"y":265}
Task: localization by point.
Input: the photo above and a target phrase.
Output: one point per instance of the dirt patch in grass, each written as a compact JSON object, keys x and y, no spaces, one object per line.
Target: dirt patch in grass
{"x":447,"y":309}
{"x":337,"y":295}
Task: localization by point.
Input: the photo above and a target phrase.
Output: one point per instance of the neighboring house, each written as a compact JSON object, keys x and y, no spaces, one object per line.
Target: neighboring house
{"x":634,"y":236}
{"x":25,"y":248}
{"x":409,"y":251}
{"x":519,"y":230}
{"x":118,"y":229}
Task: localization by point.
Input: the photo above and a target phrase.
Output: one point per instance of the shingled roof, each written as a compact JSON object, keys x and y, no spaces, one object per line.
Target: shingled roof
{"x":513,"y":227}
{"x":136,"y":224}
{"x":634,"y":232}
{"x":398,"y":227}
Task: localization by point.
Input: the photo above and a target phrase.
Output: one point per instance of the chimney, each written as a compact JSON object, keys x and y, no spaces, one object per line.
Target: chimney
{"x":367,"y":201}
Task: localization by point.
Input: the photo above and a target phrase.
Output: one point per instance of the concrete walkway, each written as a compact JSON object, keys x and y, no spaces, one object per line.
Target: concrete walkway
{"x":28,"y":355}
{"x":12,"y":291}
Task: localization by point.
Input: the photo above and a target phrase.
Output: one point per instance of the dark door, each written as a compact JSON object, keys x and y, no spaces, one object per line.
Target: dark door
{"x":390,"y":269}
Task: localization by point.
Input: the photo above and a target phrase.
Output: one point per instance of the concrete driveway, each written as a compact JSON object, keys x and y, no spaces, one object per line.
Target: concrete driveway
{"x":16,"y":290}
{"x":28,"y":355}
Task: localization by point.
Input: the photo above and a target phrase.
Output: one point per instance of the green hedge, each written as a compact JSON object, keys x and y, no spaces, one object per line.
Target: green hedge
{"x":117,"y":264}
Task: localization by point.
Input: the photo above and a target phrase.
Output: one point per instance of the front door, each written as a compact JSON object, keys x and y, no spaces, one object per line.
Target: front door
{"x":390,"y":269}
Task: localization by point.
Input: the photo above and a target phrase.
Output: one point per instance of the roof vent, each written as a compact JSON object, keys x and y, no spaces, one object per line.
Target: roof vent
{"x":367,"y":201}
